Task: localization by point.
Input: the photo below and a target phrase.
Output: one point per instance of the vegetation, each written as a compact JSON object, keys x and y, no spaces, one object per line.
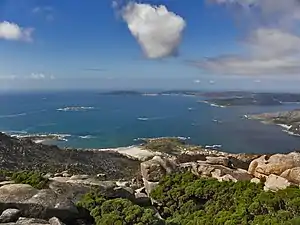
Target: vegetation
{"x":35,"y":179}
{"x":169,"y":145}
{"x":116,"y":211}
{"x":184,"y":199}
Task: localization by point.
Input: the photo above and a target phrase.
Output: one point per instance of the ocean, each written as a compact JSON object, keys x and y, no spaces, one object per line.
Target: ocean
{"x":107,"y":121}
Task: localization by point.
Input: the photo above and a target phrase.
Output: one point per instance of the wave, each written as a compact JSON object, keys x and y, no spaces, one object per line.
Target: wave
{"x":86,"y":137}
{"x":13,"y":115}
{"x":40,"y":138}
{"x":213,"y":147}
{"x":150,"y":118}
{"x":75,"y":108}
{"x":143,"y":118}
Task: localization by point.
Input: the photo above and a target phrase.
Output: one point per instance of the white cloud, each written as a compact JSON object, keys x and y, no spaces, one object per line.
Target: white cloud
{"x":37,"y":76}
{"x":197,"y":81}
{"x":272,"y":46}
{"x":9,"y":77}
{"x":13,"y":32}
{"x":157,"y":30}
{"x":32,"y":76}
{"x":46,"y":11}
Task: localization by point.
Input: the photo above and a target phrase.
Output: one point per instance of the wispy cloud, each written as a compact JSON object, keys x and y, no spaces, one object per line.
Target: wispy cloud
{"x":94,"y":69}
{"x":157,"y":30}
{"x":32,"y":76}
{"x":46,"y":11}
{"x":13,"y":32}
{"x":272,"y":45}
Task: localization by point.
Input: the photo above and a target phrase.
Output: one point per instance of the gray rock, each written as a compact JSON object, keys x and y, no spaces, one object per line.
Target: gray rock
{"x":10,"y":215}
{"x":6,"y":182}
{"x":149,"y":186}
{"x":141,"y":197}
{"x":224,"y":161}
{"x":35,"y":203}
{"x":48,"y":175}
{"x":79,"y":177}
{"x":55,"y":221}
{"x":26,"y":221}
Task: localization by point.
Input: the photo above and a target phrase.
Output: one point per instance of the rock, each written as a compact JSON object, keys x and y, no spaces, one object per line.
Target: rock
{"x":6,"y":182}
{"x":101,"y":175}
{"x":79,"y":177}
{"x":26,"y":221}
{"x":149,"y":186}
{"x":292,"y":175}
{"x":48,"y":175}
{"x":255,"y":180}
{"x":122,"y":183}
{"x":224,"y":161}
{"x":65,"y":174}
{"x":35,"y":203}
{"x":10,"y":215}
{"x":275,"y":164}
{"x":275,"y":183}
{"x":55,"y":221}
{"x":153,"y":170}
{"x":58,"y":175}
{"x":141,"y":197}
{"x":16,"y":193}
{"x":202,"y":169}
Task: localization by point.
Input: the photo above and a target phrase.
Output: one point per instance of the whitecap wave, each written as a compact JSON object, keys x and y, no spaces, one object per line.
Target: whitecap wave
{"x":40,"y":138}
{"x":86,"y":137}
{"x":13,"y":115}
{"x":143,"y":118}
{"x":75,"y":108}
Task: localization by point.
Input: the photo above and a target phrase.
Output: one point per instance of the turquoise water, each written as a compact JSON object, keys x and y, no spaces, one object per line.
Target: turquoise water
{"x":113,"y":121}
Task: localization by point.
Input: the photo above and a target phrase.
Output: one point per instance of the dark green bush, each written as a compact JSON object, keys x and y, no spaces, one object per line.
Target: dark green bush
{"x":35,"y":179}
{"x":116,"y":211}
{"x":185,"y":200}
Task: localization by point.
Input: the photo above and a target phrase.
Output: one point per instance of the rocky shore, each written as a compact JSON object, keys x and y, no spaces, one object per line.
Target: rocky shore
{"x":70,"y":174}
{"x":289,"y":120}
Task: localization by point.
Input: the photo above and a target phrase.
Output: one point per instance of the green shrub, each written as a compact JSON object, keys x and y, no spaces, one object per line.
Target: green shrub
{"x":183,"y":199}
{"x":35,"y":179}
{"x":116,"y":211}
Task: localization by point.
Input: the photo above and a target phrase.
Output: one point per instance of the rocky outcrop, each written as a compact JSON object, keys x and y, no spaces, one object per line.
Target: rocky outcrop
{"x":277,"y":164}
{"x":35,"y":203}
{"x":219,"y":167}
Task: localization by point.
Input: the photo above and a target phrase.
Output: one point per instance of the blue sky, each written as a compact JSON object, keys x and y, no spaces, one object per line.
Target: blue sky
{"x":89,"y":44}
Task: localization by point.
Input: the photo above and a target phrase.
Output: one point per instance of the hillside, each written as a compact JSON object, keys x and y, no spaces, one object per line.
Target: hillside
{"x":18,"y":154}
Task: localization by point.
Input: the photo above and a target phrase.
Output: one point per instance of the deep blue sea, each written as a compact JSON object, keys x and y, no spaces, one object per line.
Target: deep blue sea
{"x":114,"y":121}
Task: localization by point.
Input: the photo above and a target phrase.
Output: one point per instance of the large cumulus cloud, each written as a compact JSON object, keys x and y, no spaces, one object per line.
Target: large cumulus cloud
{"x":157,"y":30}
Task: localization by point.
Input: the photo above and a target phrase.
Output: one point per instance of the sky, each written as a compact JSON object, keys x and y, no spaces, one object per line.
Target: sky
{"x":154,"y":44}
